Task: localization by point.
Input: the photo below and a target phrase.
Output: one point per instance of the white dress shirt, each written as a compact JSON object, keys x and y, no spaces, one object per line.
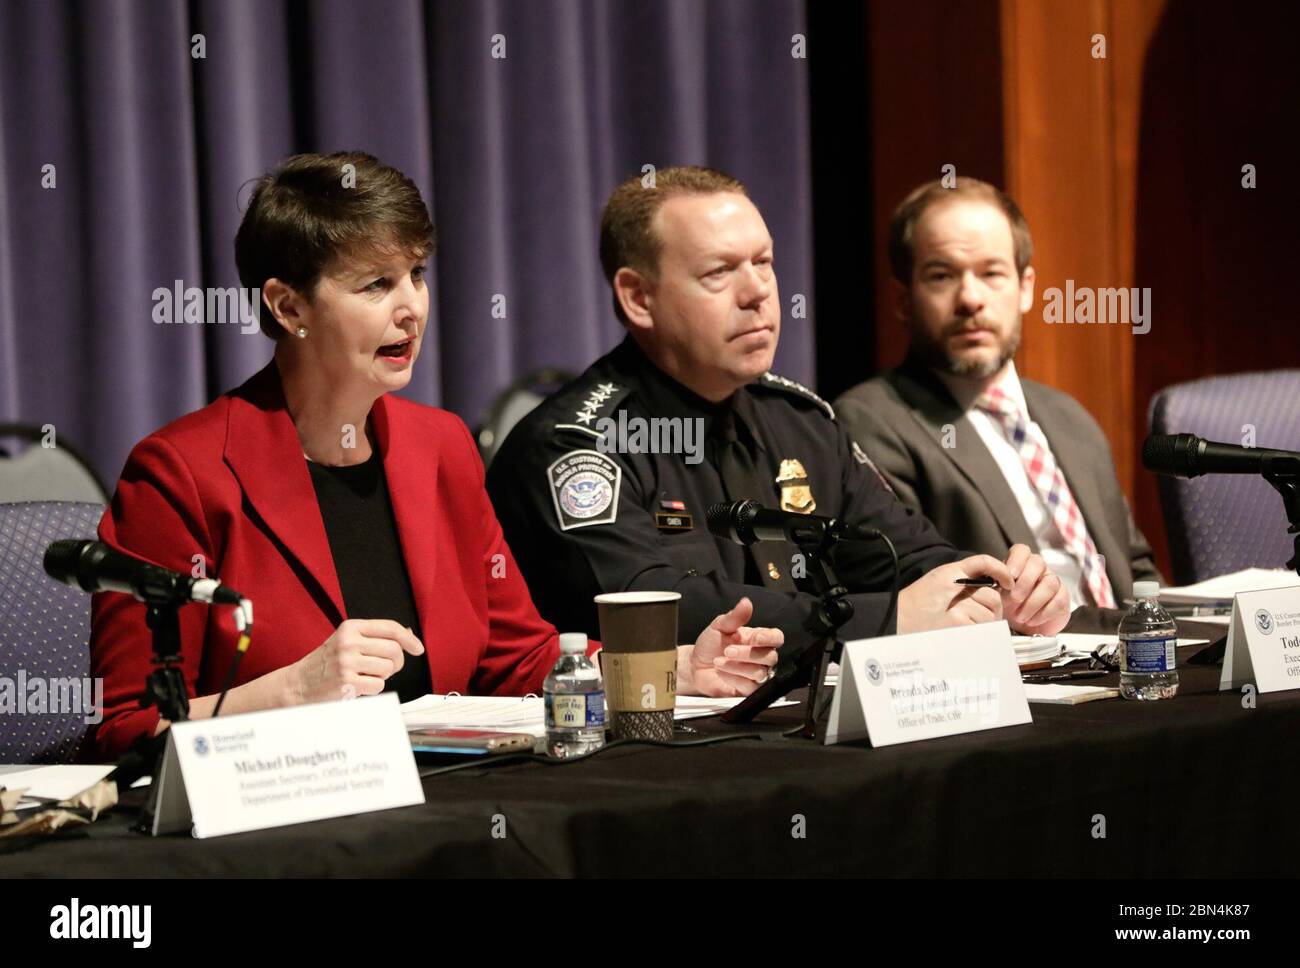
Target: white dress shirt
{"x":1050,"y":543}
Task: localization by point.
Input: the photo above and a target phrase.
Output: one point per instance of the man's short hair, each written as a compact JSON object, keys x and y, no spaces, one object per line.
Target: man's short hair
{"x":902,"y":227}
{"x":627,"y":237}
{"x":309,"y":211}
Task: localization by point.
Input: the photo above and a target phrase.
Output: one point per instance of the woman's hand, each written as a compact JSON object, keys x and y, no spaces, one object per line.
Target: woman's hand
{"x":729,"y":658}
{"x":354,"y":661}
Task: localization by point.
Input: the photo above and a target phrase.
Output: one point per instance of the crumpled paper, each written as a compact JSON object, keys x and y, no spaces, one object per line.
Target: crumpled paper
{"x":84,"y":808}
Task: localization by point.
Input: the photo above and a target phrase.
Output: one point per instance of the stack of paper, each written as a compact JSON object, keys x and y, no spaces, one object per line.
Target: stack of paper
{"x":1036,"y":648}
{"x":509,"y":714}
{"x":55,"y":782}
{"x":1057,"y":694}
{"x":1223,"y":587}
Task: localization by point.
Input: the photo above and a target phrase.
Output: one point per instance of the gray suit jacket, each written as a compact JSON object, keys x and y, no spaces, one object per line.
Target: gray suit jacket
{"x":899,"y":420}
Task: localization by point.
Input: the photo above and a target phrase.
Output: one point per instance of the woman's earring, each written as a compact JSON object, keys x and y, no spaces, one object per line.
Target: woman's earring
{"x":302,"y":332}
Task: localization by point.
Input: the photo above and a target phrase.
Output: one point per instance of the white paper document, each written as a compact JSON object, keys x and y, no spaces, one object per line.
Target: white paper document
{"x":54,"y":782}
{"x":1223,"y":587}
{"x":526,"y":714}
{"x":1059,"y":694}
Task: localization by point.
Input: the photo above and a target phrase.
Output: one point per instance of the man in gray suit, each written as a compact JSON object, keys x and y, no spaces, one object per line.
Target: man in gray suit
{"x":991,"y":459}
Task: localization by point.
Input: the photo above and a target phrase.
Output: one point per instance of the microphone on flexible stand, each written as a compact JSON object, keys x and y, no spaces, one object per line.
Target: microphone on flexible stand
{"x":746,"y":522}
{"x":93,"y":566}
{"x":1186,"y":455}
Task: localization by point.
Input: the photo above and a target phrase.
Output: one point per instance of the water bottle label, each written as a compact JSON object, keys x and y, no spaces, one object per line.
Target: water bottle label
{"x":1149,"y":655}
{"x":577,"y":711}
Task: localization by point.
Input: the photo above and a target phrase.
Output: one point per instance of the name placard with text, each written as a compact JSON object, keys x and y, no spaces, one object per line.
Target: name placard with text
{"x":1263,"y":641}
{"x":903,"y":688}
{"x":285,"y":766}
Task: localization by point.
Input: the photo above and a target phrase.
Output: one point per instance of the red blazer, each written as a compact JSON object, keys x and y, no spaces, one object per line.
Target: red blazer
{"x":229,"y":483}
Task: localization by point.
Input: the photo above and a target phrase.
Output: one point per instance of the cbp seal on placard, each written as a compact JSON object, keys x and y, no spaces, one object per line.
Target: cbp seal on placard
{"x":875,"y":674}
{"x":584,"y":486}
{"x":1264,"y":621}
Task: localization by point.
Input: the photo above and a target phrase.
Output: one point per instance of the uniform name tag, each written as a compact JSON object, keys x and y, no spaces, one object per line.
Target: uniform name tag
{"x":673,"y":521}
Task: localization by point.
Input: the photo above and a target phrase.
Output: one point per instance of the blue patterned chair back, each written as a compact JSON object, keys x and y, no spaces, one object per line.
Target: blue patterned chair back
{"x":43,"y":640}
{"x":1221,"y":523}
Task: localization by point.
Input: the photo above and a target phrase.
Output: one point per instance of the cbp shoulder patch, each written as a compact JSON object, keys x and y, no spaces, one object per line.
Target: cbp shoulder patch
{"x":584,"y":486}
{"x":774,"y":382}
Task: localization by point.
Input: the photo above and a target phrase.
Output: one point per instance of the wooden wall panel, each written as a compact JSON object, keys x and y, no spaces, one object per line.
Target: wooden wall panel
{"x":936,"y":99}
{"x":1076,"y":189}
{"x":1128,"y":169}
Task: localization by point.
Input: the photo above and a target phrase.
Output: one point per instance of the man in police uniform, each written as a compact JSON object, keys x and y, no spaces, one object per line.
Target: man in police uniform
{"x":605,"y":486}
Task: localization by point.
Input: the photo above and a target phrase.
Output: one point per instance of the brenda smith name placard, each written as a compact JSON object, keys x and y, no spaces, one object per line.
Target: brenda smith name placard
{"x":284,"y":766}
{"x":901,"y":688}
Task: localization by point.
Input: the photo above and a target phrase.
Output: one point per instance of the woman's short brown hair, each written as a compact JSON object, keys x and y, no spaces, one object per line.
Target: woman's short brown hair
{"x":311,"y":210}
{"x":627,"y":237}
{"x":902,"y":226}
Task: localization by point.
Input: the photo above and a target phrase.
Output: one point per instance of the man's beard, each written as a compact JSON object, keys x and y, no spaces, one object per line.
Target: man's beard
{"x":935,"y":355}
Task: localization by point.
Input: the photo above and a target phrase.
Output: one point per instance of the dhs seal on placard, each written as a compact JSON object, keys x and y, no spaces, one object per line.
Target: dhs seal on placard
{"x":584,"y":487}
{"x":1264,"y":621}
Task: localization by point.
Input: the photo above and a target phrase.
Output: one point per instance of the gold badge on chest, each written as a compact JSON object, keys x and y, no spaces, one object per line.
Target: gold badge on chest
{"x":796,"y":494}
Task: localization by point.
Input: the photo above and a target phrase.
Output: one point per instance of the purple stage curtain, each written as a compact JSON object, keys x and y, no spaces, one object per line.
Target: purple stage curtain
{"x":151,"y":146}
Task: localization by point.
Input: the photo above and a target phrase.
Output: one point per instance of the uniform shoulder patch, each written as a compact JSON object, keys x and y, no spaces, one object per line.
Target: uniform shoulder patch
{"x":774,"y":382}
{"x":588,"y":405}
{"x":584,"y":487}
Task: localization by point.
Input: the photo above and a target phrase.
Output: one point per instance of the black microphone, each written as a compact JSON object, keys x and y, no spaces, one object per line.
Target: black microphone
{"x":746,"y":522}
{"x":93,"y":566}
{"x":1186,"y":455}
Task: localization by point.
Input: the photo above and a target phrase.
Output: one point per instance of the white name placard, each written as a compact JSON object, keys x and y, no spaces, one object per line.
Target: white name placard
{"x":284,"y":766}
{"x":902,"y":688}
{"x":1263,"y":641}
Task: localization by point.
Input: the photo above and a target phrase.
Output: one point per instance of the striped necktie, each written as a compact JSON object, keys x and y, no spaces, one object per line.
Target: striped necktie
{"x":1049,"y":482}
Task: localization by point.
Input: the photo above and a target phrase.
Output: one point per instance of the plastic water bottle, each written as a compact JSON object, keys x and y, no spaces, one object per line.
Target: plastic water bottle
{"x":575,"y":701}
{"x":1147,"y":636}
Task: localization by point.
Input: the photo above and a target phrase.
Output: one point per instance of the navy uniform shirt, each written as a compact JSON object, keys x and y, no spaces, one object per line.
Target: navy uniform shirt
{"x":581,"y":521}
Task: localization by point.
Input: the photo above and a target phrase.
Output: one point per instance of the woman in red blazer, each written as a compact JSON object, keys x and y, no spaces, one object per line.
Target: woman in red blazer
{"x":229,"y":489}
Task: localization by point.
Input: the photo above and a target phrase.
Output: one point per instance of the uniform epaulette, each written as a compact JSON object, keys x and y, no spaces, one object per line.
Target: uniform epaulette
{"x":588,"y":405}
{"x":774,"y":382}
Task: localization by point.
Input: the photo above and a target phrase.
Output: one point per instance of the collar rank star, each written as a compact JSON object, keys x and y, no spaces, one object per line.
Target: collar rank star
{"x":584,"y":486}
{"x":672,"y":516}
{"x":796,"y":494}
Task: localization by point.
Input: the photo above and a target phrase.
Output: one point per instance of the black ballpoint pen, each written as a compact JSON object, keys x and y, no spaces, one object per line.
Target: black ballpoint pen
{"x":1065,"y":676}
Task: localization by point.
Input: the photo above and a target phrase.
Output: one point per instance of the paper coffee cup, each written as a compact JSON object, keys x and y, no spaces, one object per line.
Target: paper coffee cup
{"x":638,"y":660}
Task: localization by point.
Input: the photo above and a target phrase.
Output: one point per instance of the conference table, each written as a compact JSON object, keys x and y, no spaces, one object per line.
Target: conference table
{"x":1201,"y":785}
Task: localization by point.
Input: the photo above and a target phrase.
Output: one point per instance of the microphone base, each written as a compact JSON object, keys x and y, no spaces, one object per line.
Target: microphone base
{"x":833,"y":609}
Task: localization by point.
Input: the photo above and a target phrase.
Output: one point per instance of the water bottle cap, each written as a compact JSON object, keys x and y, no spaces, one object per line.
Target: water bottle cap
{"x":1146,"y":589}
{"x":573,"y":643}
